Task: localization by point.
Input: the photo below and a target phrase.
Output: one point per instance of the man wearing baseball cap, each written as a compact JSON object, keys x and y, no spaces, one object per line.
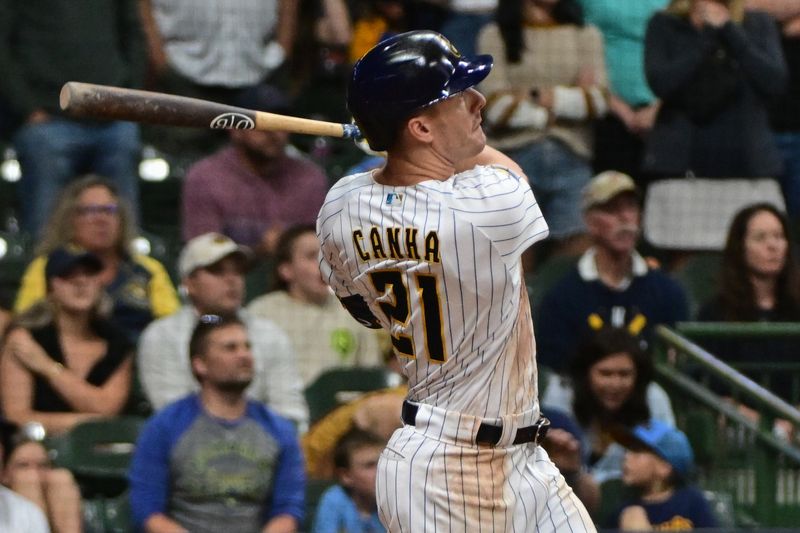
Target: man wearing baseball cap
{"x":659,"y":464}
{"x":212,"y":268}
{"x":610,"y":279}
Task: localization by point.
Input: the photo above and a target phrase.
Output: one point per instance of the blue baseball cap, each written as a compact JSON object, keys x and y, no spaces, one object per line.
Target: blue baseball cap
{"x":662,"y":439}
{"x":62,"y":261}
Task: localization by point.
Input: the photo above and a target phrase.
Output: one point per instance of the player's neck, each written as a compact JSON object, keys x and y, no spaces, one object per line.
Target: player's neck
{"x":412,"y":168}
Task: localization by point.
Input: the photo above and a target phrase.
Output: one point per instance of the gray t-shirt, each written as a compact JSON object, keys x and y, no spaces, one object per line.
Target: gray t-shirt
{"x":222,"y":469}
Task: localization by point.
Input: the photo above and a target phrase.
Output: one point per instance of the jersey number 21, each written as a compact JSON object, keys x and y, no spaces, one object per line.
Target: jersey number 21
{"x":400,"y":311}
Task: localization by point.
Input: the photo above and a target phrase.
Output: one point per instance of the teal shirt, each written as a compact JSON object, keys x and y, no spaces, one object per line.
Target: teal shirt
{"x":623,"y":24}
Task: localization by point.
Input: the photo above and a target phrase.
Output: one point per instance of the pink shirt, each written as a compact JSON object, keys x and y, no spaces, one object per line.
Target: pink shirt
{"x":221,"y":193}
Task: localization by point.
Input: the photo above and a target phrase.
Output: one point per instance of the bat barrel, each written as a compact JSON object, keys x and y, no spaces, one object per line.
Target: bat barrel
{"x":85,"y":100}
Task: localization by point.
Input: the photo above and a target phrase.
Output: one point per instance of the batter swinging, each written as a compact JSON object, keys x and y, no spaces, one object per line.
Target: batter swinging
{"x":428,"y":247}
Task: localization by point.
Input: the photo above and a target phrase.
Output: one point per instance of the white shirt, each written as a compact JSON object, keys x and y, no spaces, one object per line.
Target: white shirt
{"x":439,"y":265}
{"x":219,"y":42}
{"x":20,"y":515}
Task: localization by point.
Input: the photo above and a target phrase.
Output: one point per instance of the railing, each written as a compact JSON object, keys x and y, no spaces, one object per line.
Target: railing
{"x":739,"y":452}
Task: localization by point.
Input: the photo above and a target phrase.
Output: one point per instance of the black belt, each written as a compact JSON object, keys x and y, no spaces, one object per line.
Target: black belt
{"x":489,"y":433}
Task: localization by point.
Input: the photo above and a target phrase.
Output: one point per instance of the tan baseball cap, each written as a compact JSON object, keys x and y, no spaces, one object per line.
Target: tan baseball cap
{"x":606,"y":186}
{"x":207,"y":249}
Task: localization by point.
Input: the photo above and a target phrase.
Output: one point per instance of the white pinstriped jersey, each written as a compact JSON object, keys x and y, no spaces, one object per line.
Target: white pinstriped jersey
{"x":439,"y":265}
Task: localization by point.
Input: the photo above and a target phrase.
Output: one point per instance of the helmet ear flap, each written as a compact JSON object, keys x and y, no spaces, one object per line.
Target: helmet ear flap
{"x":403,"y":74}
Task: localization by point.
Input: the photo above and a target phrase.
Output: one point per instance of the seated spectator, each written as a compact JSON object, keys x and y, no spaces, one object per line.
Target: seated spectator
{"x":254,"y":188}
{"x":377,"y":412}
{"x":27,"y":470}
{"x":610,"y":383}
{"x":212,"y":269}
{"x":716,"y":68}
{"x":322,"y":332}
{"x":539,"y":111}
{"x":611,"y":278}
{"x":659,"y":464}
{"x":63,"y":361}
{"x":351,"y":505}
{"x":91,"y":215}
{"x":216,"y":461}
{"x":759,"y":282}
{"x":18,"y":513}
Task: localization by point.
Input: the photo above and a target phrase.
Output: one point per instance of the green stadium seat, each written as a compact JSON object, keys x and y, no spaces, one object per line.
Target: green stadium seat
{"x":98,"y":453}
{"x":314,"y":490}
{"x":338,"y":386}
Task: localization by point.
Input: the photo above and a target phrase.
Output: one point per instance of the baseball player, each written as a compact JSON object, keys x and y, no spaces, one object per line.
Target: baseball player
{"x":428,"y":247}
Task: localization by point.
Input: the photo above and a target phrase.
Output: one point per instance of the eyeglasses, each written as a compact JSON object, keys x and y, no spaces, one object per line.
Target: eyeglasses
{"x":97,"y":209}
{"x":210,"y":319}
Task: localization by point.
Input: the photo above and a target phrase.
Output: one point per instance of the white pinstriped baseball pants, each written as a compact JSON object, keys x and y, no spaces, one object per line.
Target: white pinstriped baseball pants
{"x":432,"y":478}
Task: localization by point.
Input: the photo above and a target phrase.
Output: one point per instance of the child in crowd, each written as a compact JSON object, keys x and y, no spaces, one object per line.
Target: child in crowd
{"x":351,"y":505}
{"x":658,"y":464}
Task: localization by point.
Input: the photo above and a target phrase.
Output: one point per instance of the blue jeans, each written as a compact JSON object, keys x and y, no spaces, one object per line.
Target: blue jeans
{"x":789,"y":145}
{"x":52,"y":153}
{"x":557,"y":176}
{"x":462,"y":30}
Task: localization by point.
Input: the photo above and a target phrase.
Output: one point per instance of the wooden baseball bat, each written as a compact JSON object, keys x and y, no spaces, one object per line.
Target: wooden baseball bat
{"x":86,"y":100}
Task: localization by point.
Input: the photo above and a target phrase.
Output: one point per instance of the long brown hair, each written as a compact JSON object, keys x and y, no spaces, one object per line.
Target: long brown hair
{"x":59,"y":229}
{"x":736,"y":293}
{"x":595,"y":347}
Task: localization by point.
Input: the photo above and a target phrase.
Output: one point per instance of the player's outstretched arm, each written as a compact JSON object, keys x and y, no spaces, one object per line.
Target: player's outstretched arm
{"x":491,"y":156}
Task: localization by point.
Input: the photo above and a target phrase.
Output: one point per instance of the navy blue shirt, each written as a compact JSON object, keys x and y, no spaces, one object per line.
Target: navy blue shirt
{"x":564,"y":313}
{"x":686,"y":509}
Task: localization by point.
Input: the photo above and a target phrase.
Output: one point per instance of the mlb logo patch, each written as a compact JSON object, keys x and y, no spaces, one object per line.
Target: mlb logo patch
{"x":394,"y":199}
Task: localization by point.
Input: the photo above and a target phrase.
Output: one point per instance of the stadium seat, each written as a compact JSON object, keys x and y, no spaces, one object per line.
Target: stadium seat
{"x":698,"y":276}
{"x":337,"y":386}
{"x":98,"y":453}
{"x":314,"y":490}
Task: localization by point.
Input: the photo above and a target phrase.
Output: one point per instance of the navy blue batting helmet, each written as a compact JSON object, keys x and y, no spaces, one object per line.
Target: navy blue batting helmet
{"x":403,"y":74}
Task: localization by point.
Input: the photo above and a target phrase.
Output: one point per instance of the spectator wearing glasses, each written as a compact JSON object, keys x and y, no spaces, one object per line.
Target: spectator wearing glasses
{"x":90,"y":215}
{"x":212,"y":268}
{"x":62,"y":361}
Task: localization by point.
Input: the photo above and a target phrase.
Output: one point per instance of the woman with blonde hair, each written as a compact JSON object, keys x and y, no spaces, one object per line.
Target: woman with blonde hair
{"x":90,"y":215}
{"x":62,"y":362}
{"x":715,"y":67}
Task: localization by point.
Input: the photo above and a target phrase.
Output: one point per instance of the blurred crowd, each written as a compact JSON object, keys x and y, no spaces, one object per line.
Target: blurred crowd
{"x":618,"y":111}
